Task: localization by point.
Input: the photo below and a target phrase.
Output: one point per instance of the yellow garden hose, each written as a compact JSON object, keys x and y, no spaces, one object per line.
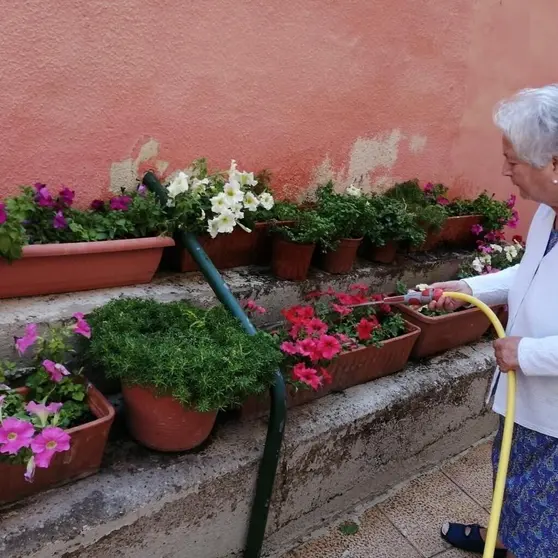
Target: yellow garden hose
{"x":499,"y":488}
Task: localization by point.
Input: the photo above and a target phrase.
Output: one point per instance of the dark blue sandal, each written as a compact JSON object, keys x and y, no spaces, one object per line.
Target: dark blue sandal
{"x":468,"y":538}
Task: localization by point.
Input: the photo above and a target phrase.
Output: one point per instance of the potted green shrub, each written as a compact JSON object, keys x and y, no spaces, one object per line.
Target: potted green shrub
{"x":48,"y":246}
{"x":227,"y":210}
{"x":346,"y":212}
{"x":55,"y":428}
{"x":294,"y":244}
{"x":388,"y":223}
{"x":178,"y":365}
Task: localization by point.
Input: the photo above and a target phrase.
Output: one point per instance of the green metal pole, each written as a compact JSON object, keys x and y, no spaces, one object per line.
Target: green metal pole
{"x":276,"y":426}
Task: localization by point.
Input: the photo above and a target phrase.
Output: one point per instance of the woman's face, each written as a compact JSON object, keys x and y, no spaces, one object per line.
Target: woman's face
{"x":533,"y":183}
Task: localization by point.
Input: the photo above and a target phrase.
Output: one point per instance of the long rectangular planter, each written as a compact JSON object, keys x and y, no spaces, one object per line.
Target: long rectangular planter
{"x":226,"y":251}
{"x":455,"y":233}
{"x":349,"y":369}
{"x":81,"y":266}
{"x":87,"y":445}
{"x":441,"y":333}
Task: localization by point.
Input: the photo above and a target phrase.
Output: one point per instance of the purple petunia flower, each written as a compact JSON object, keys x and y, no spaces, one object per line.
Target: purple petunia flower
{"x":66,"y":197}
{"x":97,"y":205}
{"x":3,"y":213}
{"x":142,"y":190}
{"x":39,"y":186}
{"x":43,"y":198}
{"x":120,"y":203}
{"x":59,"y":221}
{"x":477,"y":229}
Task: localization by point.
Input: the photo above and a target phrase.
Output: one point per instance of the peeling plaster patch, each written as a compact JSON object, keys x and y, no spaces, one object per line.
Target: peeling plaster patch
{"x":122,"y":175}
{"x":323,"y":172}
{"x":161,"y":166}
{"x":148,"y":150}
{"x":417,"y":144}
{"x":382,"y":183}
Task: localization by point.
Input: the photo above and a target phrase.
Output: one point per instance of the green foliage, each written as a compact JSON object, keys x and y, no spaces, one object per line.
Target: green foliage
{"x":310,"y":228}
{"x":29,"y":222}
{"x":495,"y":214}
{"x":349,"y":528}
{"x":389,"y":219}
{"x":202,"y":357}
{"x":346,"y":212}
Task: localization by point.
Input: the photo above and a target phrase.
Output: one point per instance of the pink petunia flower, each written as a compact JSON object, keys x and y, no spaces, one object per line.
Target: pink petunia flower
{"x":28,"y":339}
{"x":43,"y":197}
{"x":328,"y":346}
{"x":55,"y":370}
{"x":511,"y":201}
{"x":82,"y":327}
{"x":308,"y":376}
{"x":43,"y":411}
{"x":50,"y":441}
{"x":429,"y":188}
{"x":440,"y":200}
{"x":66,"y":197}
{"x":315,"y":326}
{"x":3,"y":213}
{"x":30,"y":469}
{"x":289,"y":348}
{"x":15,"y":434}
{"x":477,"y":229}
{"x":341,"y":309}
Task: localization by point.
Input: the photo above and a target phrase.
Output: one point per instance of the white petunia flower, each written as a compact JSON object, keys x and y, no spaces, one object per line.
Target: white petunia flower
{"x":247,"y":179}
{"x":496,"y":247}
{"x":219,"y":203}
{"x":213,"y":227}
{"x":251,"y":202}
{"x":353,"y":191}
{"x":234,"y":175}
{"x":233,"y":192}
{"x":199,"y":186}
{"x":477,"y":265}
{"x":421,"y":287}
{"x":267,"y":201}
{"x":226,"y":222}
{"x":202,"y":215}
{"x":179,"y":185}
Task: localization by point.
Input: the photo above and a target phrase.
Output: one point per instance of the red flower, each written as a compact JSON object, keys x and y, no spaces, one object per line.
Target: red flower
{"x":308,"y":376}
{"x":341,"y":309}
{"x":517,"y":238}
{"x":289,"y":348}
{"x":315,"y":326}
{"x":442,"y":201}
{"x":385,"y":308}
{"x":366,"y":326}
{"x":345,"y":298}
{"x":298,"y":314}
{"x":307,"y":347}
{"x":359,"y":287}
{"x":328,"y":346}
{"x":295,"y":331}
{"x":378,"y":297}
{"x":314,"y":294}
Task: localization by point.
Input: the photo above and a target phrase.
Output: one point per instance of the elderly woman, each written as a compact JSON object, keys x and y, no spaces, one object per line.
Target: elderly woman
{"x":529,"y":523}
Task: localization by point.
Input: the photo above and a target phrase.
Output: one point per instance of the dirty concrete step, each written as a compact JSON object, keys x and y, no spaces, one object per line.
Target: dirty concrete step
{"x":338,"y":450}
{"x":249,"y":282}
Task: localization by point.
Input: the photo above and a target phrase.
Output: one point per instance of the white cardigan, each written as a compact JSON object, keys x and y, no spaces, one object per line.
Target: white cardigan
{"x":531,"y":291}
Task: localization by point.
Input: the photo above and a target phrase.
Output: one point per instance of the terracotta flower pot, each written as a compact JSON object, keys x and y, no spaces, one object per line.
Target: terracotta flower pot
{"x":226,"y":251}
{"x":342,"y":259}
{"x":382,"y":254}
{"x":162,"y":423}
{"x":81,"y":266}
{"x":441,"y":333}
{"x":455,"y":233}
{"x":84,"y":457}
{"x":264,"y":247}
{"x":350,"y":369}
{"x":291,"y":261}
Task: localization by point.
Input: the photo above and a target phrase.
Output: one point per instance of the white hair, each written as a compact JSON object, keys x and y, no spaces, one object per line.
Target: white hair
{"x":529,"y":120}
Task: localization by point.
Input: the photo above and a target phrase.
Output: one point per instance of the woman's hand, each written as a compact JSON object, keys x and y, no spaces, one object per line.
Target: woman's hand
{"x":507,"y":353}
{"x":449,"y":304}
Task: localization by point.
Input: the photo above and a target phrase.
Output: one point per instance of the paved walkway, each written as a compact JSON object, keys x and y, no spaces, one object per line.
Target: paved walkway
{"x":407,"y":523}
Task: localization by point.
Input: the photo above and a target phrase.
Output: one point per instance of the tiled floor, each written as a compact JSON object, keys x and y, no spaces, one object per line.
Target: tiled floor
{"x":407,"y":524}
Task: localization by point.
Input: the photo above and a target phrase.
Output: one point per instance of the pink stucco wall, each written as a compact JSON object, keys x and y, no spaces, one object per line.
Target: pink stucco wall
{"x":93,"y":92}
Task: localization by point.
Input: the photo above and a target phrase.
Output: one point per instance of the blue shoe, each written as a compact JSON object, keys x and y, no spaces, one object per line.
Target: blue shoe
{"x":468,"y":538}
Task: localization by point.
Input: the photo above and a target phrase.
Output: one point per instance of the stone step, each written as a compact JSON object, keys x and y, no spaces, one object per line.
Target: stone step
{"x":251,"y":282}
{"x":338,"y":450}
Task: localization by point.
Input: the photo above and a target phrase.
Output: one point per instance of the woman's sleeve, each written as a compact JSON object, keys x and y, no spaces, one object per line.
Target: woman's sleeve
{"x":539,"y":357}
{"x":494,"y":287}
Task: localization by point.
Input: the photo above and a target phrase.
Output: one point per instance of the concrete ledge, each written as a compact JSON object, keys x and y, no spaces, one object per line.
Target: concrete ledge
{"x":250,"y":282}
{"x":338,"y":450}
